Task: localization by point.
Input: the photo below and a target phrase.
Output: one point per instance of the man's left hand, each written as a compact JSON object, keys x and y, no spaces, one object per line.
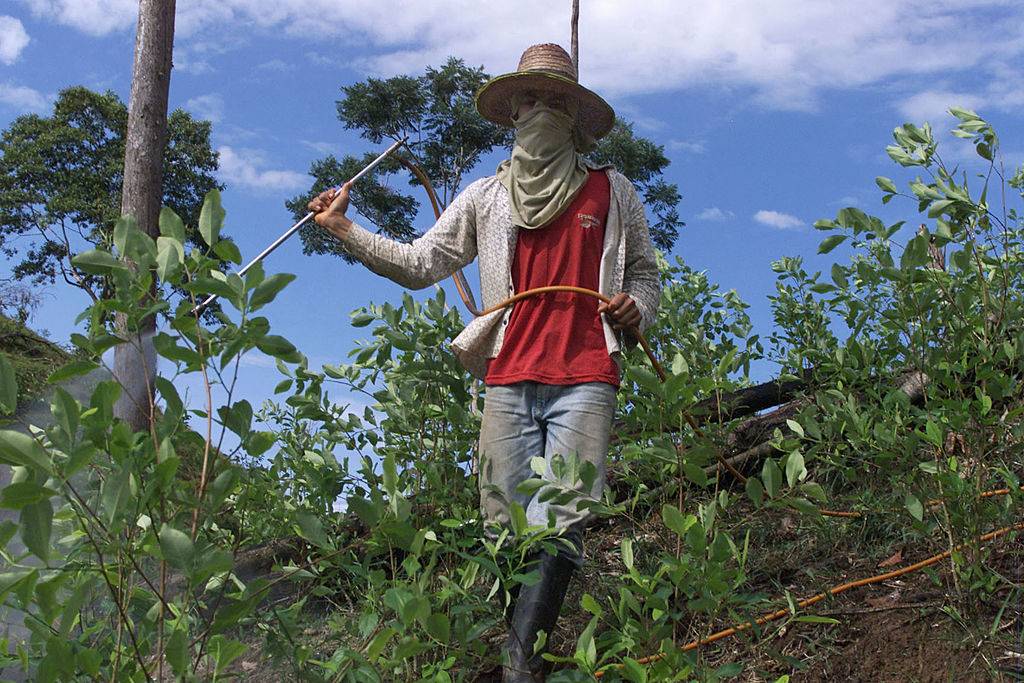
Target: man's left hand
{"x":622,"y":310}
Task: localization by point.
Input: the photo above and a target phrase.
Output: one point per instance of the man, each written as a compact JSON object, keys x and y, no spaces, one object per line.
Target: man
{"x":551,"y":362}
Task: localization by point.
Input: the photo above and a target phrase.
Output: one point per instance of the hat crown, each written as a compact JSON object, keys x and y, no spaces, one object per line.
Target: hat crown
{"x":550,"y":58}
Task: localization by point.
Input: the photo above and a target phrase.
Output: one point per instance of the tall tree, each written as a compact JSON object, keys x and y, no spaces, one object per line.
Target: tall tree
{"x":449,"y":138}
{"x":135,"y":363}
{"x":61,"y":179}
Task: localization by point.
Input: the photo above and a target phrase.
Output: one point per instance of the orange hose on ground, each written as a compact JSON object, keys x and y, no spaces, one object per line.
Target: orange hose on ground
{"x":835,"y":590}
{"x":935,"y":502}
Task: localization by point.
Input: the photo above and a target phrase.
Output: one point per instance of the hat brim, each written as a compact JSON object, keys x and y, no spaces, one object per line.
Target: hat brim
{"x":494,"y":99}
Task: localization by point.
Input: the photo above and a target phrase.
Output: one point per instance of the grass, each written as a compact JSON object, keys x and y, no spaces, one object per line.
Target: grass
{"x":32,"y":356}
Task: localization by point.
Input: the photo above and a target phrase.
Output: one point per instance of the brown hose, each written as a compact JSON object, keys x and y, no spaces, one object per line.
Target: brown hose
{"x":835,"y":590}
{"x":461,"y":285}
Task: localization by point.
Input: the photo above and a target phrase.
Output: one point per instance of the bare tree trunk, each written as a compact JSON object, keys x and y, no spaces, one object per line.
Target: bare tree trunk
{"x":576,"y":36}
{"x":142,"y":191}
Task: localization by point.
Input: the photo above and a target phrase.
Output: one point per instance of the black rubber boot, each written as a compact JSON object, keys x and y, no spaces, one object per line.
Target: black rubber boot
{"x":536,"y":610}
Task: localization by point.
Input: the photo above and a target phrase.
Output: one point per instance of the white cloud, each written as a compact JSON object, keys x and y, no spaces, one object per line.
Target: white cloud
{"x":244,"y":168}
{"x":714,"y":213}
{"x":688,"y":146}
{"x":777,"y":219}
{"x":258,"y":359}
{"x":321,"y":147}
{"x":276,"y":65}
{"x":95,"y":17}
{"x":785,"y":52}
{"x":1001,"y":93}
{"x":210,"y":107}
{"x":22,"y":98}
{"x":932,"y":105}
{"x":13,"y":39}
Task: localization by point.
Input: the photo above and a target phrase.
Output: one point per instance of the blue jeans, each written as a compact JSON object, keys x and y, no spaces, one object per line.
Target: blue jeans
{"x":526,"y":420}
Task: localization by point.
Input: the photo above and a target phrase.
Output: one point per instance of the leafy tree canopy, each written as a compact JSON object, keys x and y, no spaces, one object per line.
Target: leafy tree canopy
{"x":60,"y":183}
{"x":436,"y":111}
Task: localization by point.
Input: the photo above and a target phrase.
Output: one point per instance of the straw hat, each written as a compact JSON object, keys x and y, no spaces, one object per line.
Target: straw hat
{"x":545,"y":68}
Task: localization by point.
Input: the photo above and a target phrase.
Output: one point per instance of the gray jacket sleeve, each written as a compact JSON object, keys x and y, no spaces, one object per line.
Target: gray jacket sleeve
{"x":449,"y":245}
{"x":641,"y":280}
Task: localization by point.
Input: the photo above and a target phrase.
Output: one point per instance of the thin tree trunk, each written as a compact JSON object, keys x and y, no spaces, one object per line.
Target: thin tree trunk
{"x":576,"y":36}
{"x":142,"y":191}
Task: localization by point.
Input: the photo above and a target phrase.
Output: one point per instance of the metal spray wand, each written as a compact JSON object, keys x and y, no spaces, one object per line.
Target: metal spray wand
{"x":295,"y":228}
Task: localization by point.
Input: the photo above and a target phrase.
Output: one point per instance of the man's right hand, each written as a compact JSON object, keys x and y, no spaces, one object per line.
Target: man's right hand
{"x":329,"y":209}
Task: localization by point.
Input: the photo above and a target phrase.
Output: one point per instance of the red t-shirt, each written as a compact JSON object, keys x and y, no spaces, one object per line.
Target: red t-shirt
{"x":557,"y":337}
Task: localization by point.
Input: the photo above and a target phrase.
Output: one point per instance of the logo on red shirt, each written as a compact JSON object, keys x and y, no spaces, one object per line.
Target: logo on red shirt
{"x":587,"y":221}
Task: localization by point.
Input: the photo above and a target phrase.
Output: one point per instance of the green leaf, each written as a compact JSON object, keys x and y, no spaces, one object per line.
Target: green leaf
{"x":379,"y":642}
{"x":675,"y":520}
{"x":795,"y":426}
{"x":815,"y":619}
{"x":171,"y":226}
{"x":211,"y":217}
{"x":963,"y":114}
{"x":75,"y":368}
{"x":259,"y":443}
{"x":177,"y":547}
{"x":771,"y":475}
{"x":438,"y":627}
{"x":591,"y":605}
{"x":20,"y":494}
{"x":21,"y":449}
{"x":361,"y":319}
{"x":943,"y":230}
{"x":312,"y":529}
{"x":633,"y":671}
{"x":915,"y":254}
{"x":939,"y":207}
{"x":116,"y":492}
{"x":648,"y":381}
{"x":275,"y":345}
{"x":366,"y":511}
{"x":8,"y":386}
{"x":178,"y":652}
{"x":933,"y":433}
{"x":36,"y":527}
{"x":795,"y":469}
{"x":839,"y":276}
{"x":755,"y":491}
{"x":517,"y":517}
{"x":815,"y":491}
{"x":886,"y":184}
{"x":830,"y":243}
{"x":227,"y":250}
{"x":97,"y":262}
{"x":914,"y":506}
{"x":225,"y":651}
{"x":122,"y":227}
{"x":627,"y":552}
{"x":268,"y":289}
{"x":66,"y":412}
{"x":169,"y":256}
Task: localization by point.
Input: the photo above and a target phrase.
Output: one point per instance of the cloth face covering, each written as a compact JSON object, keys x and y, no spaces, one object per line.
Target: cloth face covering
{"x":545,"y":172}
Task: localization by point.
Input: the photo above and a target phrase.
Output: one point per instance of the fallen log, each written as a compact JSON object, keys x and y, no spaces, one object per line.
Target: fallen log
{"x":750,"y":400}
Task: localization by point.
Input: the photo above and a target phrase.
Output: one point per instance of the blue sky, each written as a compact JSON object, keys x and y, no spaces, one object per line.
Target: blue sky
{"x":773,"y":113}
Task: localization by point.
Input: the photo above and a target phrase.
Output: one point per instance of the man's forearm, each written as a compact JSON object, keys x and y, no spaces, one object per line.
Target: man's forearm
{"x":339,"y":226}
